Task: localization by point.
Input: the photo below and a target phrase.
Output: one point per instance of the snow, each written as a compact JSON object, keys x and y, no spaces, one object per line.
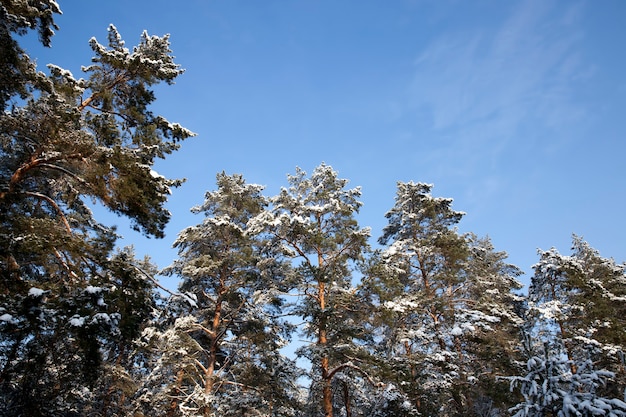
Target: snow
{"x":93,"y":290}
{"x":54,"y":69}
{"x":104,"y":317}
{"x":77,"y":321}
{"x":401,"y":305}
{"x":155,"y":174}
{"x":550,"y":309}
{"x":36,"y":292}
{"x":190,"y":298}
{"x":456,"y":331}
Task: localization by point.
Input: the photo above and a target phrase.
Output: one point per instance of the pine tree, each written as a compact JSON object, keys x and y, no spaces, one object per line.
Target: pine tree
{"x":492,"y":350}
{"x":17,"y":70}
{"x":314,"y":222}
{"x":440,"y":297}
{"x":131,"y":295}
{"x":63,"y":143}
{"x":576,"y":324}
{"x":554,"y":385}
{"x":221,"y":354}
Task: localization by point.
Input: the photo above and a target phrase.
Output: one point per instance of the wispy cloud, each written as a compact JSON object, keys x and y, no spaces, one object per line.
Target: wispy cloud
{"x":503,"y":76}
{"x":487,"y":88}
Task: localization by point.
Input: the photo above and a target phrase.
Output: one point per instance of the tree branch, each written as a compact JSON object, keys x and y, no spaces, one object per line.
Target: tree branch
{"x":54,"y":205}
{"x":36,"y":161}
{"x":65,"y":171}
{"x":200,"y":365}
{"x":87,"y":103}
{"x":155,"y":282}
{"x":350,"y":365}
{"x":64,"y":263}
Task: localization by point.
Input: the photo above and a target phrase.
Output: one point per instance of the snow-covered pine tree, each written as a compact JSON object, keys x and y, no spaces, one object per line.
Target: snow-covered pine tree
{"x":63,"y":142}
{"x":440,"y":297}
{"x":314,"y":222}
{"x":17,"y":69}
{"x":130,"y":292}
{"x":492,"y":349}
{"x":555,"y":386}
{"x":221,"y":354}
{"x":577,"y":317}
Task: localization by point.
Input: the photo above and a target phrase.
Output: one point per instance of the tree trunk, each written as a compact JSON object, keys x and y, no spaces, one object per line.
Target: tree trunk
{"x":409,"y":353}
{"x":346,"y":399}
{"x":327,"y":395}
{"x":210,"y":369}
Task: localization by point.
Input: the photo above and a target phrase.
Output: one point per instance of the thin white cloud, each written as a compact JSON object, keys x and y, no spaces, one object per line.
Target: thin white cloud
{"x":498,"y":91}
{"x":498,"y":78}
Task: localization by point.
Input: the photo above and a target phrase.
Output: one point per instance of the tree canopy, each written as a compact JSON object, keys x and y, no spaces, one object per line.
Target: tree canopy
{"x":428,"y":321}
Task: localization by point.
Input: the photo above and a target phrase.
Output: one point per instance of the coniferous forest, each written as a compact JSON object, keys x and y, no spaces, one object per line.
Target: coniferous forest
{"x":430,"y":322}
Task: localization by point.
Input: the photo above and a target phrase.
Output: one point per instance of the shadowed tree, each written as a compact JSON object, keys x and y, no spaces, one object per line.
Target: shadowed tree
{"x":64,"y":143}
{"x":574,"y":341}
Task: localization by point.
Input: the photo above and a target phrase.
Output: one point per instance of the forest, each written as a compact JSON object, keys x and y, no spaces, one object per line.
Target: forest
{"x":429,"y":322}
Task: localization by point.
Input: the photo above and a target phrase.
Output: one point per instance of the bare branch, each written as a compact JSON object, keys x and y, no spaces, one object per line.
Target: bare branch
{"x":238,"y":384}
{"x":156,"y":282}
{"x":200,"y":365}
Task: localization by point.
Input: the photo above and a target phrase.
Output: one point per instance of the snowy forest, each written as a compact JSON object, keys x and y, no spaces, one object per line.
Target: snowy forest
{"x":426,"y":322}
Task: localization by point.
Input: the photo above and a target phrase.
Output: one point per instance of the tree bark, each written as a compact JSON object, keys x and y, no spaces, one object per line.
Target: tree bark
{"x":327,"y":398}
{"x":210,"y":369}
{"x":346,"y":399}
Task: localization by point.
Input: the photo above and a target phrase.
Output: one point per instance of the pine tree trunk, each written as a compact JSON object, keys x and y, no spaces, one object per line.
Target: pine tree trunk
{"x":346,"y":399}
{"x":413,"y":371}
{"x":327,"y":396}
{"x":210,"y":369}
{"x":209,"y":372}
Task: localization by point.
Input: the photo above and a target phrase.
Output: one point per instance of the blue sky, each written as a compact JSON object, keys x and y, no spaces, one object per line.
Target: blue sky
{"x":515,"y":109}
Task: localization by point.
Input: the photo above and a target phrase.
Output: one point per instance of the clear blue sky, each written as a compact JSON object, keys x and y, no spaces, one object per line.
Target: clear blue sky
{"x":515,"y":109}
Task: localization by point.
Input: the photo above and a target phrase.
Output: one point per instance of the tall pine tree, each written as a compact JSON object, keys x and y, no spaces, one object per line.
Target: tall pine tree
{"x":314,"y":222}
{"x":221,"y":354}
{"x":63,"y":143}
{"x":440,"y":296}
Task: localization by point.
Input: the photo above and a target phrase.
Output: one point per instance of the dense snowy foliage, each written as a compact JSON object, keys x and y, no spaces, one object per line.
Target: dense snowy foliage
{"x":225,"y":344}
{"x":431,"y":323}
{"x":445,"y":301}
{"x":557,"y":386}
{"x":72,"y":308}
{"x":575,"y":336}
